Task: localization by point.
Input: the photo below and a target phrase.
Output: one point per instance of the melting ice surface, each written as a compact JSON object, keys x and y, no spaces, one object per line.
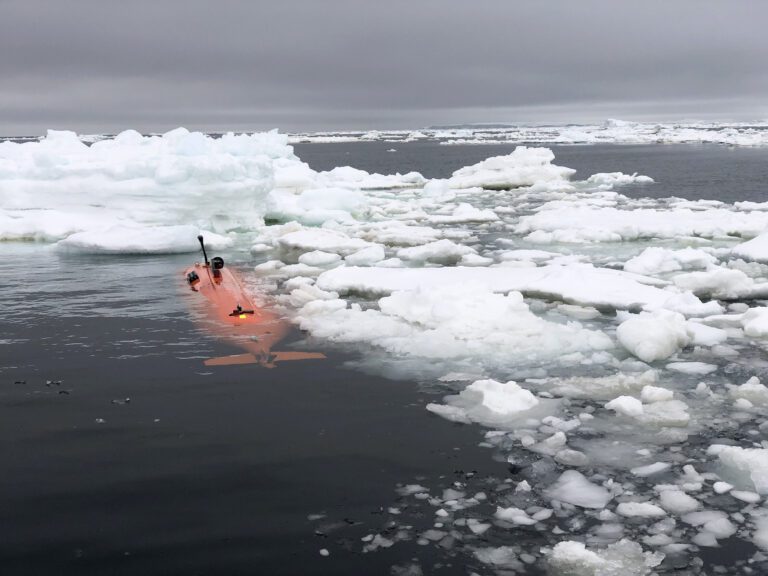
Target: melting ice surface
{"x":609,"y":348}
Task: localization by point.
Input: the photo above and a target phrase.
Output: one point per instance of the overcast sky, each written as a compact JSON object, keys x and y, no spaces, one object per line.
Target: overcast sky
{"x":303,"y":65}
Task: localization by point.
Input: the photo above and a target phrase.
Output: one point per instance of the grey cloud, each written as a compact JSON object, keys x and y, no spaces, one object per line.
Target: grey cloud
{"x":311,"y":64}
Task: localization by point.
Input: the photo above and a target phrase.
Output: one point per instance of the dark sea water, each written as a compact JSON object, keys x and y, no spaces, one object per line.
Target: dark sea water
{"x":215,"y":471}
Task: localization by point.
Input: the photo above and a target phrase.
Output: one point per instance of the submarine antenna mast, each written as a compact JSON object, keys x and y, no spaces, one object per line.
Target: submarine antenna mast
{"x":202,"y":245}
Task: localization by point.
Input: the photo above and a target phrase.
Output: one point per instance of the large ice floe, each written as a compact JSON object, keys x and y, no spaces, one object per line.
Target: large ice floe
{"x":608,"y":348}
{"x":609,"y":132}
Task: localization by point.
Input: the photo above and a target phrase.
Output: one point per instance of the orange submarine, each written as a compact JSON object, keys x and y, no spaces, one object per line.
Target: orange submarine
{"x":230,"y":314}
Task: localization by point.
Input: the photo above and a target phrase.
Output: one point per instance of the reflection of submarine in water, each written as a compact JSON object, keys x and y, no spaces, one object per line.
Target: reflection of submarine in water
{"x":231,"y":314}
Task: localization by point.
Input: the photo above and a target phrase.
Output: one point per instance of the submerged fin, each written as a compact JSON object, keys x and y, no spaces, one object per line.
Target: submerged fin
{"x":267,"y":362}
{"x":287,"y":356}
{"x":232,"y":360}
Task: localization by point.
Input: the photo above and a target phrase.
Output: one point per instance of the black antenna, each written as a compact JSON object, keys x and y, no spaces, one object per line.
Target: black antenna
{"x":200,"y":239}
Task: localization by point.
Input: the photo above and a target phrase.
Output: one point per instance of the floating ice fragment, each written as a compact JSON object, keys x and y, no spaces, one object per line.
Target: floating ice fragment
{"x":654,"y":261}
{"x":642,"y":509}
{"x":514,"y":516}
{"x":573,"y":488}
{"x":651,"y":469}
{"x":655,"y":394}
{"x":626,"y":405}
{"x":700,"y":368}
{"x":675,"y":501}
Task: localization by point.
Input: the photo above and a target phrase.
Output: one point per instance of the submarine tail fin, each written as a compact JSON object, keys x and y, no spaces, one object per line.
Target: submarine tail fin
{"x":231,"y":360}
{"x":285,"y":356}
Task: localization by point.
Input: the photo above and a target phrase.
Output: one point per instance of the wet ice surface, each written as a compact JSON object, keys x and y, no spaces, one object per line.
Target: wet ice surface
{"x":605,"y":340}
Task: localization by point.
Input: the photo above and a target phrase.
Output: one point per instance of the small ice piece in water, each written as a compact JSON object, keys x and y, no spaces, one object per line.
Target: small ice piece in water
{"x":722,"y":487}
{"x":626,"y":405}
{"x":651,"y":469}
{"x":514,"y":516}
{"x":699,"y":368}
{"x":746,"y":496}
{"x":675,"y":501}
{"x":642,"y":509}
{"x":503,"y":556}
{"x":751,"y":390}
{"x":573,"y":488}
{"x":655,"y":394}
{"x":488,"y":400}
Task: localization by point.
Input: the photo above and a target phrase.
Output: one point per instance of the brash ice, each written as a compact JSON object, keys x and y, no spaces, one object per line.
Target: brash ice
{"x":231,"y":314}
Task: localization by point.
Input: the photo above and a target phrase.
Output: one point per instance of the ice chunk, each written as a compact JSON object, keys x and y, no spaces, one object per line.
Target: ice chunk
{"x":724,"y":283}
{"x":675,"y":501}
{"x":651,"y":469}
{"x":655,"y":394}
{"x":523,"y":167}
{"x":315,"y":206}
{"x":642,"y":509}
{"x":514,"y":516}
{"x":321,"y":239}
{"x":503,"y":557}
{"x":653,"y":260}
{"x":602,"y":387}
{"x":755,"y":249}
{"x":744,"y":467}
{"x":366,"y":256}
{"x":624,"y":558}
{"x":653,"y":336}
{"x":626,"y":405}
{"x":441,"y":251}
{"x":701,"y":368}
{"x":487,"y":401}
{"x":755,"y":322}
{"x":751,"y":390}
{"x":573,"y":488}
{"x":464,"y":213}
{"x":319,"y":258}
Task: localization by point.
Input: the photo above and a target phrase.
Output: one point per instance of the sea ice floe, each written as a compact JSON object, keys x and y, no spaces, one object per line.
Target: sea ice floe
{"x":577,"y":283}
{"x":450,"y":323}
{"x":59,"y":186}
{"x":142,"y":240}
{"x":523,"y":167}
{"x":655,"y":260}
{"x":579,"y":222}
